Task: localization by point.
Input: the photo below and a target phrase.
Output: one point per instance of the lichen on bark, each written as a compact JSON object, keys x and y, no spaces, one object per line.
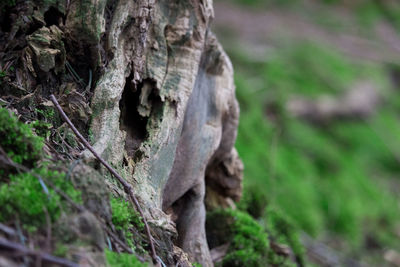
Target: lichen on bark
{"x":157,"y":89}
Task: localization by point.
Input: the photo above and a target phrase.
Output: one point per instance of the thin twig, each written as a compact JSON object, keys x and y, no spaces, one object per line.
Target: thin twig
{"x":48,"y":230}
{"x":109,"y":243}
{"x":3,"y":101}
{"x":127,"y":187}
{"x":90,"y":81}
{"x":8,"y":230}
{"x":74,"y":74}
{"x":71,"y":168}
{"x":6,"y":244}
{"x":122,"y":244}
{"x":6,"y":160}
{"x":21,"y":236}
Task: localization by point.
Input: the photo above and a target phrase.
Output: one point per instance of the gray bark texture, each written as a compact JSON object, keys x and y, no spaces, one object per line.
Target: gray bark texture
{"x":157,"y":91}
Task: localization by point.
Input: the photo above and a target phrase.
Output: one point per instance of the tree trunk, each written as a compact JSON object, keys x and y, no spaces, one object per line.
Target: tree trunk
{"x":148,"y":83}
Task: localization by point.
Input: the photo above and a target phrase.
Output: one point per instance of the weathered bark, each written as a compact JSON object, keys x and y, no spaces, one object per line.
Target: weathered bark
{"x":162,"y":103}
{"x":207,"y":138}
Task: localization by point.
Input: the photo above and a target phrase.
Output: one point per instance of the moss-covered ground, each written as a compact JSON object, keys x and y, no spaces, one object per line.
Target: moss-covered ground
{"x":24,"y":196}
{"x":336,"y":181}
{"x":30,"y":198}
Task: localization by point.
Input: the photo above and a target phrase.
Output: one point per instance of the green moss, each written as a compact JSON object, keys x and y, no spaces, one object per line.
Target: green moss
{"x":48,"y":114}
{"x":17,"y":140}
{"x":248,"y":242}
{"x":283,"y":231}
{"x":27,"y":199}
{"x":61,"y":250}
{"x":23,"y":196}
{"x":325,"y":179}
{"x":91,"y":138}
{"x":253,"y":201}
{"x":42,"y":128}
{"x":88,"y":16}
{"x":280,"y":228}
{"x":67,"y":135}
{"x":124,"y":218}
{"x":123,"y":260}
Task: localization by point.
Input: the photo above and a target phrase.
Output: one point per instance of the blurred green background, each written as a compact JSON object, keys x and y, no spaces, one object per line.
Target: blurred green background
{"x":319,"y":89}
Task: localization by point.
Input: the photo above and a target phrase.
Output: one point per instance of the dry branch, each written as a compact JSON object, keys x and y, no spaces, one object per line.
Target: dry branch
{"x":15,"y":247}
{"x":7,"y":230}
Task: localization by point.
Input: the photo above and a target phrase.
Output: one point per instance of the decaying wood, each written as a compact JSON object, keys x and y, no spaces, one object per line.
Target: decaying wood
{"x":173,"y":116}
{"x":127,"y":187}
{"x":157,"y":89}
{"x":206,"y":142}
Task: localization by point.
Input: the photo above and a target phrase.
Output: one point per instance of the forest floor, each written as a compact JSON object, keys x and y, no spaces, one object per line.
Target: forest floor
{"x":319,"y":126}
{"x":258,"y":29}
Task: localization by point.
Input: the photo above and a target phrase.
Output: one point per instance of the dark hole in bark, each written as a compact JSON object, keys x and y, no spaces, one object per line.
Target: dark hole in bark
{"x":5,"y":19}
{"x":96,"y":165}
{"x":53,"y":17}
{"x":131,"y":121}
{"x":79,"y":57}
{"x":106,"y":53}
